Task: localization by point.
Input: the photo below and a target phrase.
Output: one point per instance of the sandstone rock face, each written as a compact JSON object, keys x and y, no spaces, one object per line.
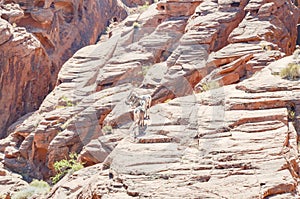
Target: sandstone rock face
{"x":227,"y":142}
{"x":25,"y":66}
{"x":37,"y":37}
{"x":10,"y":183}
{"x":134,"y":3}
{"x":236,"y":141}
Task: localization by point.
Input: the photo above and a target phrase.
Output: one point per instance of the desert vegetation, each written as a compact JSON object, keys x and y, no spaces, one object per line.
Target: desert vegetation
{"x":291,"y":72}
{"x":66,"y":166}
{"x":35,"y":188}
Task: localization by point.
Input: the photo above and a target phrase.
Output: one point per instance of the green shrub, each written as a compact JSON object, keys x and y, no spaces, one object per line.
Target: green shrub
{"x":136,"y":25}
{"x":210,"y":85}
{"x":36,"y":187}
{"x":107,"y":129}
{"x":67,"y":101}
{"x":291,"y":71}
{"x":63,"y":167}
{"x":145,"y":70}
{"x":144,"y":7}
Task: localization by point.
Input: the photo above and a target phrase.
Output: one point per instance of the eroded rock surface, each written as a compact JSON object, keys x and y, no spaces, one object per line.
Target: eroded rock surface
{"x":240,"y":145}
{"x":37,"y":37}
{"x":237,"y":141}
{"x":10,"y":183}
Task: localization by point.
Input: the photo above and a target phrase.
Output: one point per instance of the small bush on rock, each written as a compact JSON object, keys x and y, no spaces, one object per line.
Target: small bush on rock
{"x":144,"y":7}
{"x":292,"y":71}
{"x":136,"y":25}
{"x":36,"y":188}
{"x":107,"y":129}
{"x":63,"y":167}
{"x":210,"y":85}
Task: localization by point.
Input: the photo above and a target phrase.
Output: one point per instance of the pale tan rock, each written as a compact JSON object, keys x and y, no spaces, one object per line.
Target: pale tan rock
{"x":10,"y":184}
{"x":178,"y":8}
{"x":237,"y":139}
{"x":93,"y":153}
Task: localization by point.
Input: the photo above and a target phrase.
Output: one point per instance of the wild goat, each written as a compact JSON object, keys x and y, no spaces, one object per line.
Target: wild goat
{"x":139,"y":114}
{"x":134,"y":101}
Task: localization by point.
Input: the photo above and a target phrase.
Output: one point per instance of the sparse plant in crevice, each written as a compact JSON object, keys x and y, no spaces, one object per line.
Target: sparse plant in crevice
{"x":107,"y":129}
{"x":291,"y":72}
{"x":36,"y":188}
{"x":145,"y":70}
{"x":210,"y":85}
{"x":66,"y":102}
{"x":144,"y":7}
{"x":66,"y":166}
{"x":141,"y":8}
{"x":136,"y":25}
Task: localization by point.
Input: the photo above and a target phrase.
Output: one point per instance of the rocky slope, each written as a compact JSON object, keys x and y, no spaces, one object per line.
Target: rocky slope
{"x":236,"y":141}
{"x":37,"y":37}
{"x":232,"y":142}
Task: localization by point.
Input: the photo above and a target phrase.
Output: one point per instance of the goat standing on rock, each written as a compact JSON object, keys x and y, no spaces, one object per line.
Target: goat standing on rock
{"x":139,"y":114}
{"x":135,"y":101}
{"x":141,"y":105}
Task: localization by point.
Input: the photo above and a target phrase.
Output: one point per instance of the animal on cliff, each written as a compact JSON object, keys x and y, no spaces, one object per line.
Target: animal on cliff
{"x":134,"y":100}
{"x":139,"y":114}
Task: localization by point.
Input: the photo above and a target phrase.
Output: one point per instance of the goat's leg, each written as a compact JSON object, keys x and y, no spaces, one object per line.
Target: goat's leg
{"x":148,"y":106}
{"x":143,"y":117}
{"x":147,"y":113}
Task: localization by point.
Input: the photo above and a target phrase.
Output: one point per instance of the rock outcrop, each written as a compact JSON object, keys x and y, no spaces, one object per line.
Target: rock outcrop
{"x":10,"y":183}
{"x":37,"y":37}
{"x":134,"y":3}
{"x":235,"y":141}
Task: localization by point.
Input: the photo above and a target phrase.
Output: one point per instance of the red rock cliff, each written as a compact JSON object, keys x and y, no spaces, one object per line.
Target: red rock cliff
{"x":37,"y":37}
{"x":237,"y":141}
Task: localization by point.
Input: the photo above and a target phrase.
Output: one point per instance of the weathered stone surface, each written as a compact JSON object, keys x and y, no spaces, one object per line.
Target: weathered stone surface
{"x":92,"y":155}
{"x":255,"y":34}
{"x":194,"y":143}
{"x":178,"y":8}
{"x":237,"y":141}
{"x":37,"y":37}
{"x":17,"y":53}
{"x":134,"y":3}
{"x":10,"y":182}
{"x":11,"y":12}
